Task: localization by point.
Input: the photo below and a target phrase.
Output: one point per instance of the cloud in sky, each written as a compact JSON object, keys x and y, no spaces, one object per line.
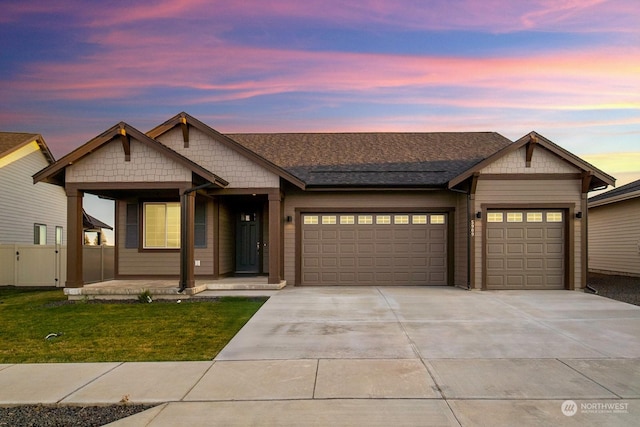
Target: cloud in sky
{"x":567,"y":68}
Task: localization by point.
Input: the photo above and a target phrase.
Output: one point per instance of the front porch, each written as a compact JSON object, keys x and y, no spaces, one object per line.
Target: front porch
{"x":169,"y":289}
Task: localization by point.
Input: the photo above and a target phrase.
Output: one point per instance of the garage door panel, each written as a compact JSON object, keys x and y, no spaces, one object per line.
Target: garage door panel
{"x":515,"y":264}
{"x":381,"y":249}
{"x":495,"y":233}
{"x":515,"y":248}
{"x":347,"y":234}
{"x":535,"y":248}
{"x":554,"y":233}
{"x":495,"y":248}
{"x":535,"y":233}
{"x":515,"y":233}
{"x":526,"y":253}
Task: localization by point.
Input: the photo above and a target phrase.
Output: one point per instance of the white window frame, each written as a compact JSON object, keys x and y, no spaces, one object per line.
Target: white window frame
{"x":41,"y":237}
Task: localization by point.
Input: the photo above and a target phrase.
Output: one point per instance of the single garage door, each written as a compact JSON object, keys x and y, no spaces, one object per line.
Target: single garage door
{"x":374,"y":249}
{"x":525,"y":249}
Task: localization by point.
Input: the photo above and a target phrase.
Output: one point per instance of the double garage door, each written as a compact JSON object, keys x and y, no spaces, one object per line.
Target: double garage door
{"x":525,"y":249}
{"x":374,"y":249}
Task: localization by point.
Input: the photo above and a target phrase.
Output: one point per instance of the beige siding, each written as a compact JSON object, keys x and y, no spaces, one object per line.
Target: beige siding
{"x":108,"y":164}
{"x":132,"y":262}
{"x":523,"y":192}
{"x":360,"y":200}
{"x":461,"y":234}
{"x":205,"y":255}
{"x":226,"y":240}
{"x":22,"y":204}
{"x":542,"y":161}
{"x":614,"y":238}
{"x":239,"y":171}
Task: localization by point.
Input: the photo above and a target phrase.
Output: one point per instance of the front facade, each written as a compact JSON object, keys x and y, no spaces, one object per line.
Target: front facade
{"x":614,"y":231}
{"x":467,"y":209}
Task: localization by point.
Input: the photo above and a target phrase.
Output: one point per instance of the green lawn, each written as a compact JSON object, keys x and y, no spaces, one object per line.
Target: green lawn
{"x":158,"y":331}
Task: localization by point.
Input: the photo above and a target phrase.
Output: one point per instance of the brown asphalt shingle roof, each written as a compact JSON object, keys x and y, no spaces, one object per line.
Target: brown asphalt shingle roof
{"x":11,"y":140}
{"x":620,"y":191}
{"x":374,"y":159}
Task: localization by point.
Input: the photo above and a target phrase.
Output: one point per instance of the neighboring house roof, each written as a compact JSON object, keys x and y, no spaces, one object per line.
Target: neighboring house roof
{"x":597,"y":177}
{"x":12,"y":141}
{"x":91,"y":223}
{"x":374,"y":159}
{"x":625,"y":192}
{"x":55,"y":172}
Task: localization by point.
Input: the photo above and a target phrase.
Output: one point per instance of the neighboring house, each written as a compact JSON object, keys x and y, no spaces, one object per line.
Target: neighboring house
{"x":468,"y":209}
{"x":614,"y":231}
{"x":32,"y":217}
{"x":29,"y":214}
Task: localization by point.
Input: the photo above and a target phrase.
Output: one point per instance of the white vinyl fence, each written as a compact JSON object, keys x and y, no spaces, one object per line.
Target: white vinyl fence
{"x":46,"y":265}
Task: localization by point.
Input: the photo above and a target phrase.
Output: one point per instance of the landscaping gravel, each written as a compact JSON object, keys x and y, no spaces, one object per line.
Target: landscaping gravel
{"x":620,"y":288}
{"x":66,"y":416}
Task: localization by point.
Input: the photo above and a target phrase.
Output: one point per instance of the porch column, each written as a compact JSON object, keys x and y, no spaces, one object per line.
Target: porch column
{"x":275,"y":238}
{"x":74,"y":239}
{"x":187,"y":219}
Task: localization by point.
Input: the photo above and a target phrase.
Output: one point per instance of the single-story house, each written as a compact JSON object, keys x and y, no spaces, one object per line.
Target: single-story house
{"x":471,"y":209}
{"x":614,"y":231}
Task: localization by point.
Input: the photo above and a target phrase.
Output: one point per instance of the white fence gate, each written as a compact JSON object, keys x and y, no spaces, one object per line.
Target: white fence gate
{"x":46,"y":265}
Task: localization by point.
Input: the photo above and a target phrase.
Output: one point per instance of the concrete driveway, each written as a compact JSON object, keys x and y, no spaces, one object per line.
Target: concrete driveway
{"x":383,"y":356}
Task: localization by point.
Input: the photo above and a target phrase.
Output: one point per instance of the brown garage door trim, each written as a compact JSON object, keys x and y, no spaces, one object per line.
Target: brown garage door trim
{"x":569,"y":256}
{"x":450,"y":231}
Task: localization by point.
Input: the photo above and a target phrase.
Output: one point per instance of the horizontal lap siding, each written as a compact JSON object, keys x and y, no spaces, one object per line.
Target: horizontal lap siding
{"x":523,"y":192}
{"x":614,"y":237}
{"x":461,"y":251}
{"x":23,"y":204}
{"x":354,"y":200}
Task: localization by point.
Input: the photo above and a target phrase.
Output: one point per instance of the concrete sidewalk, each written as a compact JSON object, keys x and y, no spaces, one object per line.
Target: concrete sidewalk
{"x":381,"y":356}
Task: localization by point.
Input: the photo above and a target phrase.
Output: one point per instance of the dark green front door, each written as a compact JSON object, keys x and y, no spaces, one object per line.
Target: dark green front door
{"x":248,"y":242}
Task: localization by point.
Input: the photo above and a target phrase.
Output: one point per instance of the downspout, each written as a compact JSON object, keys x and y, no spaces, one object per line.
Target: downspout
{"x":468,"y":194}
{"x":183,"y":229}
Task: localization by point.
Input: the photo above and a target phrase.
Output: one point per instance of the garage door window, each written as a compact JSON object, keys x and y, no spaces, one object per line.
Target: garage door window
{"x":310,"y":219}
{"x":534,"y":216}
{"x":347,"y":219}
{"x":437,"y":219}
{"x":554,"y":216}
{"x":401,"y":219}
{"x":419,"y":219}
{"x":383,"y":219}
{"x":328,"y":219}
{"x":365,"y":219}
{"x":514,"y":217}
{"x":495,"y":217}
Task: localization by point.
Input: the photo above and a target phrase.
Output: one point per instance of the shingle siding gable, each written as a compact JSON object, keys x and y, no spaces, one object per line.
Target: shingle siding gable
{"x":239,"y":171}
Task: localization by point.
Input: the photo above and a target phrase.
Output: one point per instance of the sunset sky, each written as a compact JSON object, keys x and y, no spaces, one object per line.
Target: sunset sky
{"x":569,"y":69}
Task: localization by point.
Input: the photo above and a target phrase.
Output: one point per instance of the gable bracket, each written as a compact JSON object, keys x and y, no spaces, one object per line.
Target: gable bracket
{"x":185,"y":130}
{"x":586,"y":181}
{"x":126,"y":143}
{"x":533,"y":140}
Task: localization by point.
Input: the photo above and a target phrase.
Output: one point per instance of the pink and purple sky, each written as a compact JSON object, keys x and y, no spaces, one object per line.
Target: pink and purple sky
{"x":569,"y":69}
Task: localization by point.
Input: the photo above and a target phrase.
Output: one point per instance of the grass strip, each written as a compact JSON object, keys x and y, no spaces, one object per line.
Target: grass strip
{"x":108,"y":332}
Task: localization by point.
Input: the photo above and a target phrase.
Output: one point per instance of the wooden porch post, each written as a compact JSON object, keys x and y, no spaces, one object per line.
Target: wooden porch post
{"x":187,"y":240}
{"x":74,"y":239}
{"x":275,"y":227}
